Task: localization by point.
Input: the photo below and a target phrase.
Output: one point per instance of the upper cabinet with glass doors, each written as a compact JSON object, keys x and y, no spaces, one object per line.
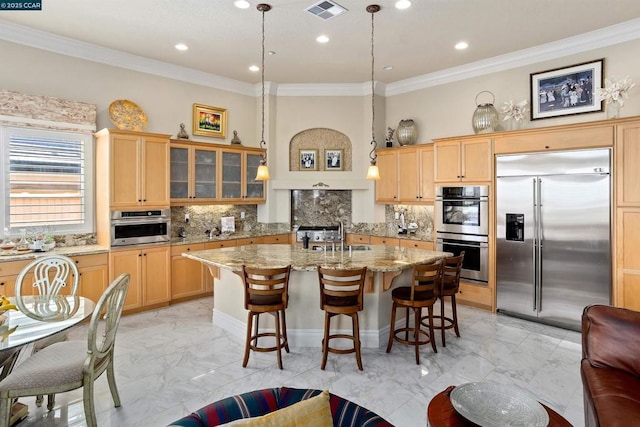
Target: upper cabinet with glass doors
{"x":204,"y":173}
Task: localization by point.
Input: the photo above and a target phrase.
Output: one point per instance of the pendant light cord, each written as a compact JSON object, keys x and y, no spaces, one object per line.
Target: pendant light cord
{"x":372,"y":9}
{"x":262,"y":142}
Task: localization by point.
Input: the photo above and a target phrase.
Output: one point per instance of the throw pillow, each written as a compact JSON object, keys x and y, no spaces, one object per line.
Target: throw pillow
{"x":313,"y":412}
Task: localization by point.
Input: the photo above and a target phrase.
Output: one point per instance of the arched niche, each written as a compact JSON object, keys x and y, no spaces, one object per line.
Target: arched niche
{"x":323,"y":141}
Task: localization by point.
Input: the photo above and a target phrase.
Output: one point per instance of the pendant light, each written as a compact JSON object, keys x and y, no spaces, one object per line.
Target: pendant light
{"x":263,"y":170}
{"x":373,"y":173}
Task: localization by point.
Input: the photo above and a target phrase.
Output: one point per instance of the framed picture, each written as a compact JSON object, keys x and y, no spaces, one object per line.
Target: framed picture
{"x":333,"y":160}
{"x":209,"y":121}
{"x":308,"y":160}
{"x":568,"y":90}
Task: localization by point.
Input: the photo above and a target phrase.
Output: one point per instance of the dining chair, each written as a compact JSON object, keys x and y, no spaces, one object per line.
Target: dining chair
{"x":266,"y":290}
{"x":341,"y":293}
{"x":451,"y":269}
{"x":68,"y":365}
{"x":46,"y":276}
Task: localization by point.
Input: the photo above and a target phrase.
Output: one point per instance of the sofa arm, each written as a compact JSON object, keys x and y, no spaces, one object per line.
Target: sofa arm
{"x":611,"y":338}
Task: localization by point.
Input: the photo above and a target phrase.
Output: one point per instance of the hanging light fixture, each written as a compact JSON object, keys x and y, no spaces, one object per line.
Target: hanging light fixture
{"x":373,"y":172}
{"x":263,"y":170}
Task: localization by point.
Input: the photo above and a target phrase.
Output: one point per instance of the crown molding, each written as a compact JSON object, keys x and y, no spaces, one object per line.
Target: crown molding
{"x":619,"y":33}
{"x":66,"y":46}
{"x":608,"y":36}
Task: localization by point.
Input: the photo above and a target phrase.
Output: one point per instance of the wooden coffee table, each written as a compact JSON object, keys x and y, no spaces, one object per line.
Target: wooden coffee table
{"x":441,"y":413}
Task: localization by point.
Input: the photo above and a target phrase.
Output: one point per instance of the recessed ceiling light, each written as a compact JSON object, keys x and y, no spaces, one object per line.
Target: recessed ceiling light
{"x":387,"y":67}
{"x":271,"y":53}
{"x":462,"y":45}
{"x":182,"y":46}
{"x":254,"y":68}
{"x":403,"y":4}
{"x":322,"y":39}
{"x":242,"y":4}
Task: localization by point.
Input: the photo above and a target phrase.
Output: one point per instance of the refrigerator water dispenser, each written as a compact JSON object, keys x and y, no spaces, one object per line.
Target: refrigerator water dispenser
{"x":515,"y":227}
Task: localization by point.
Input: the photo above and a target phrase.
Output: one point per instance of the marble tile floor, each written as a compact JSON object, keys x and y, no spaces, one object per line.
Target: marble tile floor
{"x":172,"y":361}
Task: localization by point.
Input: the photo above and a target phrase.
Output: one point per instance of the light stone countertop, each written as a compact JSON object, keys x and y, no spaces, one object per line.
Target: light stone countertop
{"x":67,"y":250}
{"x":378,"y":258}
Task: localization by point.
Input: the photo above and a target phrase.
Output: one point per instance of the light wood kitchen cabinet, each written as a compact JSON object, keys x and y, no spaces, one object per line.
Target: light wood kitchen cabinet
{"x":627,"y":164}
{"x":389,"y":241}
{"x":194,"y":173}
{"x":554,"y":139}
{"x":93,"y":273}
{"x":417,"y":244}
{"x":188,"y":277}
{"x":466,"y":160}
{"x":250,"y":241}
{"x":221,"y":244}
{"x":150,"y":274}
{"x":8,"y":274}
{"x":387,"y":185}
{"x":415,"y":174}
{"x":628,"y":258}
{"x":132,"y":168}
{"x":475,"y":295}
{"x":283,"y":239}
{"x":357,"y":239}
{"x":237,"y":176}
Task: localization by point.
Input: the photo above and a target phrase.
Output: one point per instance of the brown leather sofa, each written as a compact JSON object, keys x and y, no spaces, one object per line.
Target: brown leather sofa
{"x":610,"y":366}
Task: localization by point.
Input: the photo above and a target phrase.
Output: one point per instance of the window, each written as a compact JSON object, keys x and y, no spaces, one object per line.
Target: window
{"x":47,"y":180}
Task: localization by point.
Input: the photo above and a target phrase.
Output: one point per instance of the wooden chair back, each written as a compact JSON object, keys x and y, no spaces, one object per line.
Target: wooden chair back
{"x":266,"y":289}
{"x":341,"y":290}
{"x":451,"y":268}
{"x":426,"y":280}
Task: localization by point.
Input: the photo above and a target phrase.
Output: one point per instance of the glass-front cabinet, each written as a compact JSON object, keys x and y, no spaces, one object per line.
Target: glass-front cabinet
{"x":254,"y":189}
{"x":203,"y":173}
{"x":194,"y":176}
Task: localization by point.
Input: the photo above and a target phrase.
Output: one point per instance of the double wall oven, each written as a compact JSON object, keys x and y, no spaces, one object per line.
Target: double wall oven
{"x":462,"y":224}
{"x":139,"y":227}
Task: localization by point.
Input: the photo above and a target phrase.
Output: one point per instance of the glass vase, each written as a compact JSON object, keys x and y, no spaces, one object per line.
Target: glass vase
{"x":613,"y":110}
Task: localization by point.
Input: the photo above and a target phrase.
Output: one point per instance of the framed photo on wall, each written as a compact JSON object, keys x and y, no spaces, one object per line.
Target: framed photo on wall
{"x":568,"y":90}
{"x":333,"y":160}
{"x":209,"y":121}
{"x":308,"y":160}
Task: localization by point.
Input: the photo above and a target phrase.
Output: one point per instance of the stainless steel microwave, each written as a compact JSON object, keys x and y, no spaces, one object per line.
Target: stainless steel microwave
{"x":139,"y":227}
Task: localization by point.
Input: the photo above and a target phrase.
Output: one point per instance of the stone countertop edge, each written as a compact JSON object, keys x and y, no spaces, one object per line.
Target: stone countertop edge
{"x":67,"y":251}
{"x":190,"y":240}
{"x":380,"y":258}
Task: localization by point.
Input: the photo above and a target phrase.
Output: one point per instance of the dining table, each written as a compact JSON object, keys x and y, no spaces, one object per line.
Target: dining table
{"x":40,"y":317}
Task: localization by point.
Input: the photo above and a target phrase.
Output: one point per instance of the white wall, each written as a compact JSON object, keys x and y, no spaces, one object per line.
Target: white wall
{"x":447,"y":110}
{"x":166,"y":102}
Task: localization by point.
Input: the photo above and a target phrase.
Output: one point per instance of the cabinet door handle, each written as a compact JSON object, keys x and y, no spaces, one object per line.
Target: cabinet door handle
{"x":139,"y":255}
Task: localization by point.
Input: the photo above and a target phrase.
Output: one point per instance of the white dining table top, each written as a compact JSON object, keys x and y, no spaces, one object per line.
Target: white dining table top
{"x":48,"y":317}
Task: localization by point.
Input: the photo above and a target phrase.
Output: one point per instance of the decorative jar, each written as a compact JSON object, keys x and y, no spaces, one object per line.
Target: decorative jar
{"x":485,"y":118}
{"x":613,"y":110}
{"x":407,"y":132}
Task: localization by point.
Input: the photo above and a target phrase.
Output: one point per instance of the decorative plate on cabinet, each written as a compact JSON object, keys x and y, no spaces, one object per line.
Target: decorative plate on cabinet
{"x":127,"y":115}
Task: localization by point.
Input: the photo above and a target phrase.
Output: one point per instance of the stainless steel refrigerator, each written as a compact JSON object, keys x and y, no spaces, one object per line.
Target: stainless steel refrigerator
{"x":553,"y":239}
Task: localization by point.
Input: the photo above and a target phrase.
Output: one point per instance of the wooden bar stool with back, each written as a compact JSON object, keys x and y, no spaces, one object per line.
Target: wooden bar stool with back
{"x":451,"y":268}
{"x":425,"y":280}
{"x":341,"y":292}
{"x":266,"y":290}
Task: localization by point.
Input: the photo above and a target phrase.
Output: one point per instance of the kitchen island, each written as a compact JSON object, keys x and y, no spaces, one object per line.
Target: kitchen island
{"x":387,"y":267}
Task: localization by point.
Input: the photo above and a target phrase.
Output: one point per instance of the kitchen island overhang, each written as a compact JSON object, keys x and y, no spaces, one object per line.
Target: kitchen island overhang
{"x":387,"y":266}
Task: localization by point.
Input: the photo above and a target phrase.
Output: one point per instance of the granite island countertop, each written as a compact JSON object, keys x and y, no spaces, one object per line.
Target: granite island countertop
{"x":377,"y":258}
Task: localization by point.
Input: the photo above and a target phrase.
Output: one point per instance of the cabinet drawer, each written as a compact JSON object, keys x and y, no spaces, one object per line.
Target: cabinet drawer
{"x":417,"y":244}
{"x":389,"y":241}
{"x":12,"y":268}
{"x":91,"y":260}
{"x":178,"y":250}
{"x":555,"y":140}
{"x":358,"y":238}
{"x":221,"y":244}
{"x":250,"y":241}
{"x":278,"y":238}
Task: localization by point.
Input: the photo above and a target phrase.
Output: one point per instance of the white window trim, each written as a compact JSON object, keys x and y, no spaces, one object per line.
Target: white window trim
{"x":89,"y":166}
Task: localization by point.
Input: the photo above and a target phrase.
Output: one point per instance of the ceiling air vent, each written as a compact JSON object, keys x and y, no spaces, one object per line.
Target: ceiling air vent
{"x":326,"y":9}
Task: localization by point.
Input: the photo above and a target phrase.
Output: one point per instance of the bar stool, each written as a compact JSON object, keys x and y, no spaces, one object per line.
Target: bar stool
{"x":266,"y":290}
{"x":451,"y":268}
{"x":341,"y":292}
{"x":426,"y":278}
